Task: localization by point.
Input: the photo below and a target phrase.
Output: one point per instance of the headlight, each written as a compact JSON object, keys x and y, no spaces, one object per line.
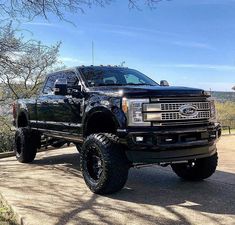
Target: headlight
{"x":133,"y":110}
{"x":213,"y":110}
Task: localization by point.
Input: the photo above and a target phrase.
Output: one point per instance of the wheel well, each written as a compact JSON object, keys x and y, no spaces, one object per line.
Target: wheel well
{"x":22,"y":120}
{"x":100,"y":123}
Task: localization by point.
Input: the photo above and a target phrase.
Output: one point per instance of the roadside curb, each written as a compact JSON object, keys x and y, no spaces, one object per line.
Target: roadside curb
{"x":6,"y":154}
{"x":11,"y":154}
{"x":18,"y":219}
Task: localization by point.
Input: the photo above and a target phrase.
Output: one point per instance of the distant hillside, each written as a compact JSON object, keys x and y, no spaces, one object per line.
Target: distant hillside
{"x":223,"y":96}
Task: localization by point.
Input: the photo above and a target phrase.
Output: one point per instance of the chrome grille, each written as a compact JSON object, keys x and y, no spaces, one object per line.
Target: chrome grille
{"x":176,"y":106}
{"x":177,"y":116}
{"x":154,"y":107}
{"x":173,"y":111}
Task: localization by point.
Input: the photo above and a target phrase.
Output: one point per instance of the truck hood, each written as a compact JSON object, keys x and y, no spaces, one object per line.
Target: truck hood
{"x":148,"y":91}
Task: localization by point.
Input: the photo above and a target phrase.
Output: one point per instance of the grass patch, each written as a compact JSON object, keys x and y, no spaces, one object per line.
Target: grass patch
{"x":6,"y":215}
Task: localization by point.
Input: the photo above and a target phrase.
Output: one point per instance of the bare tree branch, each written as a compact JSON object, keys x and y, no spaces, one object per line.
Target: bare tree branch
{"x":23,"y":64}
{"x":29,"y":9}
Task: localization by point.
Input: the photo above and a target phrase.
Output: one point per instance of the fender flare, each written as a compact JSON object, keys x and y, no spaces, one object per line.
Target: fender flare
{"x":93,"y":112}
{"x":22,"y":112}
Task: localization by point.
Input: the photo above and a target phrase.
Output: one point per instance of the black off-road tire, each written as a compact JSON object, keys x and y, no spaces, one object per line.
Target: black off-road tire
{"x":26,"y":143}
{"x":104,"y":164}
{"x":198,"y":170}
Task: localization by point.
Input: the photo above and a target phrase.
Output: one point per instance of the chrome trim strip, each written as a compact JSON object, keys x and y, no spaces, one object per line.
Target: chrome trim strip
{"x":62,"y":135}
{"x":152,"y":107}
{"x":121,"y":130}
{"x":167,"y":116}
{"x":57,"y":123}
{"x":178,"y":99}
{"x":174,"y":106}
{"x":180,"y":123}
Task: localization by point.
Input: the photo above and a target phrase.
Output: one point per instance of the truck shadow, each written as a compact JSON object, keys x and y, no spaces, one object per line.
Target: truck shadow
{"x":160,"y":187}
{"x":157,"y":187}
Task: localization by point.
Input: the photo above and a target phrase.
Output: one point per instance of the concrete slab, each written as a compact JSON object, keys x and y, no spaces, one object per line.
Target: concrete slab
{"x":51,"y":191}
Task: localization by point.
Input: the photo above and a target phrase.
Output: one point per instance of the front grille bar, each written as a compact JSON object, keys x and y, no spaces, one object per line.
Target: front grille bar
{"x":163,"y":112}
{"x":166,"y":116}
{"x":154,"y":107}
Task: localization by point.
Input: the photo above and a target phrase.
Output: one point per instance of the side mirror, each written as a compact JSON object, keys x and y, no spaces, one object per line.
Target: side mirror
{"x":77,"y":88}
{"x":164,"y":83}
{"x":76,"y":91}
{"x":61,"y":87}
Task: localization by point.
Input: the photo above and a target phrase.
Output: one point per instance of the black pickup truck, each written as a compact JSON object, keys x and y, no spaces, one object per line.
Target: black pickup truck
{"x":119,"y":118}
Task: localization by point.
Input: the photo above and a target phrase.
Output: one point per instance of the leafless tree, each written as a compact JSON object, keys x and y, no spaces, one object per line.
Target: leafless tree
{"x":23,"y":64}
{"x":233,"y":88}
{"x":30,"y":9}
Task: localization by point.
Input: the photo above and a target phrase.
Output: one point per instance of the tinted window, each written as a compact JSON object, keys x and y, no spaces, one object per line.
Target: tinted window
{"x":68,"y":75}
{"x":48,"y":88}
{"x":98,"y":76}
{"x":71,"y":79}
{"x":132,"y":79}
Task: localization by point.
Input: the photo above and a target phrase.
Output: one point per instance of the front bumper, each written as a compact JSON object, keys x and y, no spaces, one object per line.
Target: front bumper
{"x":169,"y":144}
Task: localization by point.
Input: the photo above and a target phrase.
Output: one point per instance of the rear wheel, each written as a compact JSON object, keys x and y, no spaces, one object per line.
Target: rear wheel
{"x":104,"y":164}
{"x":196,"y":170}
{"x":26,"y":143}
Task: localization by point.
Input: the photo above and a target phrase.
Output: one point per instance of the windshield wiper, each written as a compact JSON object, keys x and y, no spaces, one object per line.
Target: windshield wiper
{"x":124,"y":84}
{"x":141,"y":84}
{"x":111,"y":84}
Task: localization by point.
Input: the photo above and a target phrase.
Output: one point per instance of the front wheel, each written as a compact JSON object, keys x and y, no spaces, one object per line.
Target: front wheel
{"x":104,"y":164}
{"x":196,"y":170}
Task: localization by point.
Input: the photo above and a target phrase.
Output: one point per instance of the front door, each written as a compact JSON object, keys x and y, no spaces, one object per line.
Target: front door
{"x":67,"y":109}
{"x":59,"y":112}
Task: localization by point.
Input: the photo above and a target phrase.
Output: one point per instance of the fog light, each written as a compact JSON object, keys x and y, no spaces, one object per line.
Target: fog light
{"x":139,"y":139}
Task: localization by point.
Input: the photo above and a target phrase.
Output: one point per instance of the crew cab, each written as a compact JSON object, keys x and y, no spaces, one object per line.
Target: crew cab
{"x":119,"y":118}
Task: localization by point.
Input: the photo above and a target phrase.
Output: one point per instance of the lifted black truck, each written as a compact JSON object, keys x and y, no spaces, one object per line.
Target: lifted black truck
{"x":119,"y":118}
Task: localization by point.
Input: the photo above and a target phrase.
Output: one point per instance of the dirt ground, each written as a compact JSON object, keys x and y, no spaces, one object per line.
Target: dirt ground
{"x":52,"y":191}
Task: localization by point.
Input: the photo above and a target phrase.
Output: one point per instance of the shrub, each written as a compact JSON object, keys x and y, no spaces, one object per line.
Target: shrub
{"x":226,"y":113}
{"x":6,"y":142}
{"x":6,"y":135}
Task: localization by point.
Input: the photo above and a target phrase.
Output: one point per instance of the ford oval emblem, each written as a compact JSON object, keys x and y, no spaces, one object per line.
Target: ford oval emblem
{"x":188,"y":111}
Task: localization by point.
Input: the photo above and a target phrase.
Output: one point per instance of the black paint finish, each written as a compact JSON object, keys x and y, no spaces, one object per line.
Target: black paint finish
{"x":68,"y":117}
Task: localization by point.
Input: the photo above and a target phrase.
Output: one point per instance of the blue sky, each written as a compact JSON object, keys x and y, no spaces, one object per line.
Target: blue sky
{"x":189,"y":43}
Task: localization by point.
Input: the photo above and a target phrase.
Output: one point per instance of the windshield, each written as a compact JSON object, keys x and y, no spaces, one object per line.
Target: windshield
{"x":105,"y":76}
